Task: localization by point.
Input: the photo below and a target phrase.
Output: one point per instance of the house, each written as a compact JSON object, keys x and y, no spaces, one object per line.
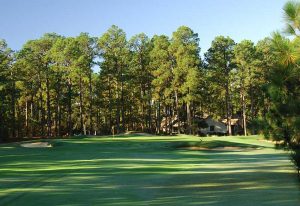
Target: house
{"x":204,"y":125}
{"x":214,"y":127}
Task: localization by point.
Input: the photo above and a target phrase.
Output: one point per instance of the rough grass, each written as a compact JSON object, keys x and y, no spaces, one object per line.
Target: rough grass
{"x":147,"y":170}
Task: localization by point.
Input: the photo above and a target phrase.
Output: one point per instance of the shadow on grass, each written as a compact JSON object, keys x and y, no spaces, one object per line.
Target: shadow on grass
{"x":143,"y":172}
{"x":213,"y":144}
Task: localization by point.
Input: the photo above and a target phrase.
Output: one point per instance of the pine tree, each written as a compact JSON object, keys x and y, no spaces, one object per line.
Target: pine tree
{"x":115,"y":54}
{"x":7,"y":84}
{"x":185,"y":62}
{"x":141,"y":77}
{"x":220,"y":60}
{"x":245,"y":55}
{"x":161,"y":66}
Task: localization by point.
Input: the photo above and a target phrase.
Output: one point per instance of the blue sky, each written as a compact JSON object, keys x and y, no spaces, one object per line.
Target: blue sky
{"x":21,"y":20}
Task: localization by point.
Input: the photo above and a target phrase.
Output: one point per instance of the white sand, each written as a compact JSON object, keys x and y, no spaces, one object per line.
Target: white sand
{"x":36,"y":144}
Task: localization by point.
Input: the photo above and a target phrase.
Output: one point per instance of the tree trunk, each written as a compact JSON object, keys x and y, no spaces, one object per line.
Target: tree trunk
{"x":227,"y":98}
{"x":26,"y":118}
{"x":158,"y":121}
{"x":98,"y":122}
{"x":166,"y":120}
{"x":170,"y":128}
{"x":2,"y":132}
{"x":31,"y":116}
{"x":56,"y":119}
{"x":118,"y":109}
{"x":80,"y":105}
{"x":228,"y":113}
{"x":13,"y":109}
{"x":244,"y":113}
{"x":252,"y":107}
{"x":171,"y":112}
{"x":110,"y":104}
{"x":18,"y":126}
{"x":41,"y":110}
{"x":59,"y":121}
{"x":48,"y":108}
{"x":188,"y":112}
{"x":70,"y":125}
{"x":143,"y":108}
{"x":131,"y":114}
{"x":178,"y":111}
{"x":122,"y":105}
{"x":149,"y":116}
{"x":58,"y":112}
{"x":91,"y":103}
{"x":193,"y":119}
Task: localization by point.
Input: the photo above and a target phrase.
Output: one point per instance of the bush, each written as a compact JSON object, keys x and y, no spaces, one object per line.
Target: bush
{"x":295,"y":157}
{"x":259,"y":126}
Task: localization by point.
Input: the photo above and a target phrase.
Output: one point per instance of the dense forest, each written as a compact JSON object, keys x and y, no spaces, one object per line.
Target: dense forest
{"x":49,"y":87}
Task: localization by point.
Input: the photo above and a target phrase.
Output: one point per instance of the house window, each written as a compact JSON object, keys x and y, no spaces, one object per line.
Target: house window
{"x":211,"y":128}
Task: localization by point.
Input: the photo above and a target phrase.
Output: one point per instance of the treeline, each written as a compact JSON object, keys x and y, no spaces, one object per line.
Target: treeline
{"x":49,"y":88}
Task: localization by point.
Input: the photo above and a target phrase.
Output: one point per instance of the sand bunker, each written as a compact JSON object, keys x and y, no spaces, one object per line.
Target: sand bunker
{"x":36,"y":144}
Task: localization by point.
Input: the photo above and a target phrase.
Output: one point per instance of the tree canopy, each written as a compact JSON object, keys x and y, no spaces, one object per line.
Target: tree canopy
{"x":156,"y":84}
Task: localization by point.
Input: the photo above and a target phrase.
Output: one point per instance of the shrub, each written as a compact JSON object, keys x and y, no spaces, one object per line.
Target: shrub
{"x":295,"y":157}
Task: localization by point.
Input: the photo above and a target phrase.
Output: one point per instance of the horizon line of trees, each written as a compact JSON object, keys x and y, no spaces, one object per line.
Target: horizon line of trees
{"x":49,"y":88}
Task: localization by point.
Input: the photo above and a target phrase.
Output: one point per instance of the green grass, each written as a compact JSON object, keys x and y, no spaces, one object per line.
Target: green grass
{"x":214,"y":144}
{"x":147,"y":170}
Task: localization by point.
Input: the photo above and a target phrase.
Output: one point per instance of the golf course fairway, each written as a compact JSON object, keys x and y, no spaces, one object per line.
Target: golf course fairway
{"x":148,"y":170}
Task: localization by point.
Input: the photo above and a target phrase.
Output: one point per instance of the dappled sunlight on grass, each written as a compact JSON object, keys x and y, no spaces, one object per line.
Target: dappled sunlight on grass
{"x":147,"y":170}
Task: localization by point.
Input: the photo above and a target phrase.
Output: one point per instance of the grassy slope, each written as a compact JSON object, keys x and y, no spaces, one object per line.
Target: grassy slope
{"x":145,"y":170}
